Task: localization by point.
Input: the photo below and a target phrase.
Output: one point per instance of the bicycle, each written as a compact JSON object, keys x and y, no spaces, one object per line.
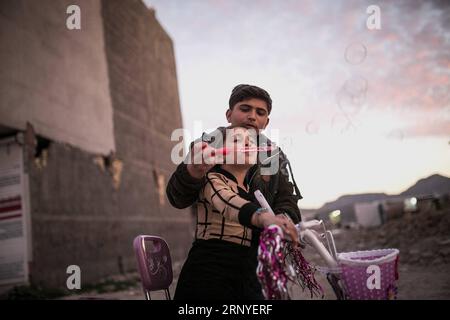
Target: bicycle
{"x":369,"y":274}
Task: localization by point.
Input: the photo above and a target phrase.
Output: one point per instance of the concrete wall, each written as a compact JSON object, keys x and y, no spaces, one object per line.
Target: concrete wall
{"x":54,"y":77}
{"x":144,"y":92}
{"x":78,"y":215}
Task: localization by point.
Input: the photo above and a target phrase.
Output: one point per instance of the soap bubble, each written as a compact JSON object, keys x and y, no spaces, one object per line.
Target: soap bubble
{"x":286,"y":142}
{"x":355,"y":53}
{"x":352,"y":96}
{"x":396,"y":134}
{"x":312,"y":127}
{"x":440,"y":94}
{"x":342,"y":123}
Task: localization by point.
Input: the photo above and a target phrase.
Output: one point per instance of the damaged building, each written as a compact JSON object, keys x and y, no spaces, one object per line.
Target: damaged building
{"x":86,"y":117}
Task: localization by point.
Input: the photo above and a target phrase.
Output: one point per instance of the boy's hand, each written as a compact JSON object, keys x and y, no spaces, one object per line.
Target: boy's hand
{"x":202,"y":158}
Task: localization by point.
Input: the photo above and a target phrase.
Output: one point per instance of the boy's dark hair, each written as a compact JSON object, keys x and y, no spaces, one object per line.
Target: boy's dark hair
{"x":246,"y":91}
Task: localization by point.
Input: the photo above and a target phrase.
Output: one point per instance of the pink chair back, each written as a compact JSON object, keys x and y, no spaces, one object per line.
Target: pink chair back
{"x":154,"y":264}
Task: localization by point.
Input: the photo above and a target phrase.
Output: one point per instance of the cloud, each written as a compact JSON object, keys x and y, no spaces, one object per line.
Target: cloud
{"x":297,"y":49}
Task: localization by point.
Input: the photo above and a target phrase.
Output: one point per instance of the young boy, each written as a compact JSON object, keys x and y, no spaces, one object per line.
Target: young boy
{"x":222,"y":261}
{"x":249,"y":106}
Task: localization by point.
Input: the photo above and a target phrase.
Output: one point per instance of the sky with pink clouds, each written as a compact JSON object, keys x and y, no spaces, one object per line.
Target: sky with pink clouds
{"x":356,"y":110}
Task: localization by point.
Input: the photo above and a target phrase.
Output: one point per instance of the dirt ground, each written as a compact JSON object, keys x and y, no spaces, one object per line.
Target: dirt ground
{"x":415,"y":283}
{"x":423,"y":239}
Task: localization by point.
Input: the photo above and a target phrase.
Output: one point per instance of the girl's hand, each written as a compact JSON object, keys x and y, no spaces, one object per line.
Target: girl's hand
{"x":202,"y":159}
{"x":265,"y":219}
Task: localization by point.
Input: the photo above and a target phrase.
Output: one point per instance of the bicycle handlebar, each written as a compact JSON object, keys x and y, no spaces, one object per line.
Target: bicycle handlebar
{"x":318,"y":245}
{"x":304,"y":232}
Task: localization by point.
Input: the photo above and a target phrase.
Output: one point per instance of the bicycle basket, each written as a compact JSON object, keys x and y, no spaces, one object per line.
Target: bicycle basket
{"x":370,"y":275}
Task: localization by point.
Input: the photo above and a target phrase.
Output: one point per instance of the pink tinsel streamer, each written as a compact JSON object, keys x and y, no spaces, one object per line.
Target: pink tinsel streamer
{"x":304,"y":271}
{"x":271,"y":269}
{"x":271,"y":272}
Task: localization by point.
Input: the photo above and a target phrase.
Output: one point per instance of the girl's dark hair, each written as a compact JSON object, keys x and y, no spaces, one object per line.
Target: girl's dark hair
{"x":246,"y":91}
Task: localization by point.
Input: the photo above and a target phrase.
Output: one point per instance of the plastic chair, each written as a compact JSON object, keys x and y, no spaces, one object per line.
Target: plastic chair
{"x":154,"y":263}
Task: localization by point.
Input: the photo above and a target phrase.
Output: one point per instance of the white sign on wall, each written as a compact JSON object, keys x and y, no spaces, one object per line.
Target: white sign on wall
{"x":13,"y":213}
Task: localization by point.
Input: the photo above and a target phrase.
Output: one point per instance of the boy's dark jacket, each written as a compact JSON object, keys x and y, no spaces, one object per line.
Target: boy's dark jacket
{"x":183,"y":190}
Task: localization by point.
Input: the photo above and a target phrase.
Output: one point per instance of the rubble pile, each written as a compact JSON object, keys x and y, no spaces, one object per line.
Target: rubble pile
{"x":422,"y":237}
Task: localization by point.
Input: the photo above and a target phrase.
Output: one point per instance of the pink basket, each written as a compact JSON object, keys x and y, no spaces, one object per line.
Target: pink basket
{"x":370,"y":275}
